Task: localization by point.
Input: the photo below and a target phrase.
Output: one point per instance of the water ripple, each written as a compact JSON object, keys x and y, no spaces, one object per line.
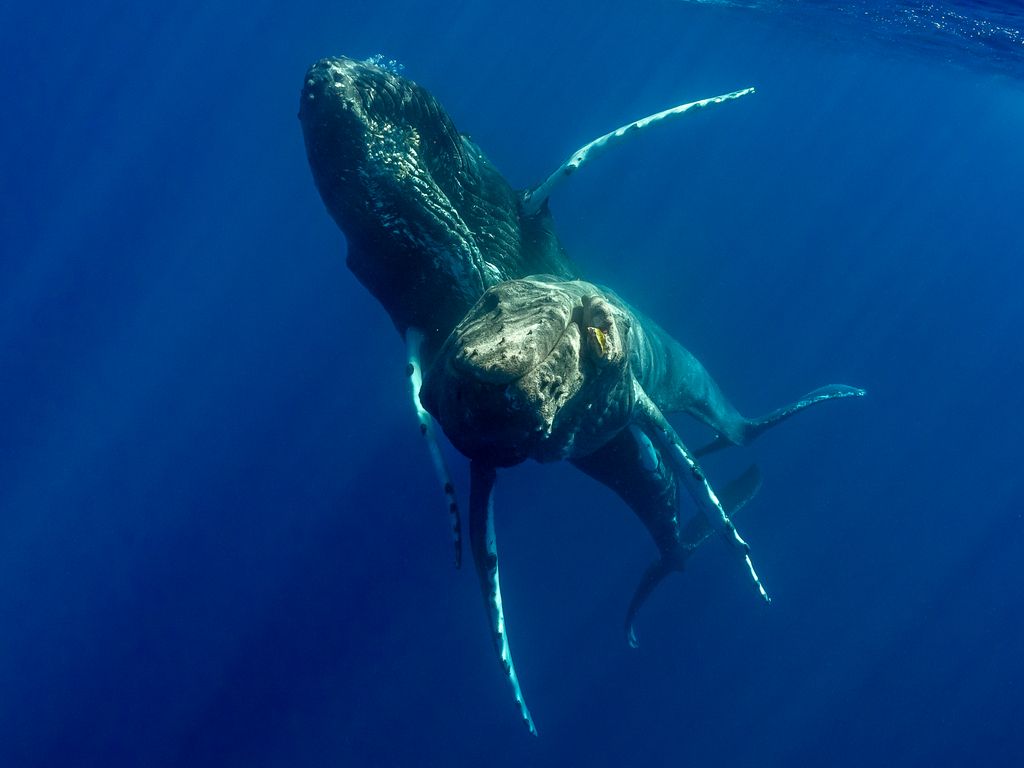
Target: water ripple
{"x":980,"y":35}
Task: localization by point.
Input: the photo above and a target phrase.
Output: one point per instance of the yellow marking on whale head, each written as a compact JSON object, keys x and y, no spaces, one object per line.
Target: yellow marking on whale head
{"x":600,"y":338}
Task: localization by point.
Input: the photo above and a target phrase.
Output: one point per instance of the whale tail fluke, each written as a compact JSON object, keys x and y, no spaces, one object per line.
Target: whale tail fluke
{"x":752,"y":428}
{"x":734,"y":497}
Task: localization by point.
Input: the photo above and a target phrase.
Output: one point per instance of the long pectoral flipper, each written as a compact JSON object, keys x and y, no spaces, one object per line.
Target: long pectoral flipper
{"x":534,"y":199}
{"x":485,"y":557}
{"x":692,"y":477}
{"x":414,"y":346}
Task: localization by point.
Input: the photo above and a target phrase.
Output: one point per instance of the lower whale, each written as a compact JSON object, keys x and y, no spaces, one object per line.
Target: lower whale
{"x":549,"y":369}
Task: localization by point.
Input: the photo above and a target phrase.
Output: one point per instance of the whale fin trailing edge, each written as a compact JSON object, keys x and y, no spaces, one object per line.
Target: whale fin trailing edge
{"x":533,"y":199}
{"x":414,"y":347}
{"x":734,"y":497}
{"x":754,"y":427}
{"x":485,"y":556}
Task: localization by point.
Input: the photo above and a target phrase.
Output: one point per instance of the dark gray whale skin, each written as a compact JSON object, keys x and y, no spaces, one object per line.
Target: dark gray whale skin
{"x":429,"y":221}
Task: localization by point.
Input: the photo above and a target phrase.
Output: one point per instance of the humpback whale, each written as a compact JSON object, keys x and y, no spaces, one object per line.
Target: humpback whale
{"x":551,"y":369}
{"x":464,"y":266}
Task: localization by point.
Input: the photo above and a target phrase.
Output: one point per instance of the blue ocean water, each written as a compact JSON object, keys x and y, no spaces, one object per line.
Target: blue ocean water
{"x":221,"y":542}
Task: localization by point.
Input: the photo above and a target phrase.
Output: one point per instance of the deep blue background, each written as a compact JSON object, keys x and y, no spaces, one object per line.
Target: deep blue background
{"x":220,"y":539}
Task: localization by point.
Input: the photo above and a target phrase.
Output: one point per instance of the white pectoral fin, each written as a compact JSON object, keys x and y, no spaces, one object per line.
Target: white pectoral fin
{"x":485,"y":556}
{"x":534,"y":199}
{"x":689,"y":473}
{"x":414,"y":346}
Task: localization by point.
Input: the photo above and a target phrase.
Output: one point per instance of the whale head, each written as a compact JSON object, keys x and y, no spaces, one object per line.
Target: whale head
{"x":537,"y":369}
{"x":429,"y":222}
